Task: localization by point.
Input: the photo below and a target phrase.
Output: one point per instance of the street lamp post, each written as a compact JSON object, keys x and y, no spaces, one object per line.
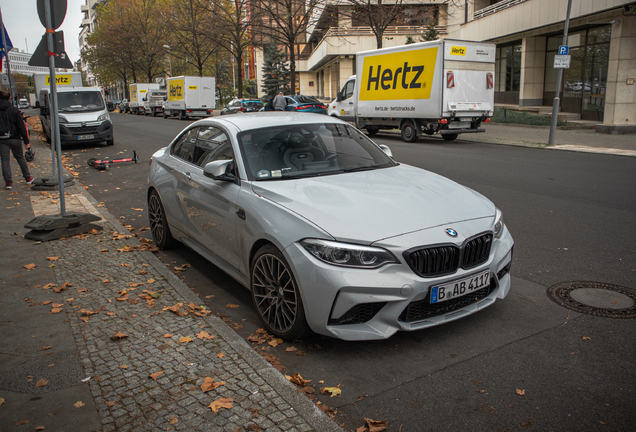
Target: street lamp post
{"x":169,"y":58}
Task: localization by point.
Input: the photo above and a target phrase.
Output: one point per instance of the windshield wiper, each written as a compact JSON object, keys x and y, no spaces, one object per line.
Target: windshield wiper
{"x":365,"y":168}
{"x":312,"y":174}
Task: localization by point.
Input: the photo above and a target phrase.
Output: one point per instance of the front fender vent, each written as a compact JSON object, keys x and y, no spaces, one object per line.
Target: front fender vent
{"x":358,"y":314}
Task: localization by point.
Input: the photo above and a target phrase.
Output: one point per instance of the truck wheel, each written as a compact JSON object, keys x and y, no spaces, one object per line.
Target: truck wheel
{"x":408,"y":132}
{"x":450,"y":137}
{"x":373,"y":130}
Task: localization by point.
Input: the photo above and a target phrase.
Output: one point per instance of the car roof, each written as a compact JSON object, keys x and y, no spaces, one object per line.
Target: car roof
{"x":266,"y":119}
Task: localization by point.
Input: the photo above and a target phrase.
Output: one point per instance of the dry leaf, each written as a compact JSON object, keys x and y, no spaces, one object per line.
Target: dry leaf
{"x":1,"y":401}
{"x":21,"y":422}
{"x":39,"y":428}
{"x":291,"y":349}
{"x":204,"y":335}
{"x":52,"y":258}
{"x":520,"y":392}
{"x":275,"y":342}
{"x":156,"y":375}
{"x":220,"y":355}
{"x":30,"y":266}
{"x":56,"y":310}
{"x":333,"y":391}
{"x":57,"y":305}
{"x":221,"y":403}
{"x":173,"y":420}
{"x":185,"y":339}
{"x":41,"y":383}
{"x":209,"y":384}
{"x":373,"y":426}
{"x":46,"y":302}
{"x":118,"y":336}
{"x":123,"y":366}
{"x":79,"y":404}
{"x":46,"y":347}
{"x":586,"y":338}
{"x":527,"y":424}
{"x":168,"y":335}
{"x":231,"y":306}
{"x":298,"y":380}
{"x":110,"y":404}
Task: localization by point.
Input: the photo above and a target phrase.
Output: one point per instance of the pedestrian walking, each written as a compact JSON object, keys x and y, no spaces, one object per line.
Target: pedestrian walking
{"x":12,"y":128}
{"x":280,"y":102}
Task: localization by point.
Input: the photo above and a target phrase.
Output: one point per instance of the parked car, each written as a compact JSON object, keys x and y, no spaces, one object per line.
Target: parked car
{"x":300,"y":103}
{"x":242,"y":106}
{"x":124,"y":106}
{"x":23,"y":103}
{"x":325,"y":229}
{"x":110,"y":106}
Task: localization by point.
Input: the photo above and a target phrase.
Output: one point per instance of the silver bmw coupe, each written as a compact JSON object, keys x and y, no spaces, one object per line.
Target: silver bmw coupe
{"x":326,"y":230}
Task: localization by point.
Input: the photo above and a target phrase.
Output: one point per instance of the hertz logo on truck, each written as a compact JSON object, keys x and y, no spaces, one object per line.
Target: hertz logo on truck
{"x":175,"y":90}
{"x":396,"y":76}
{"x":59,"y":80}
{"x":455,"y":50}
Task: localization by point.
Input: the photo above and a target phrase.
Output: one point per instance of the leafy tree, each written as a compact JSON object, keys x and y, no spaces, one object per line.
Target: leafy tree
{"x":148,"y":36}
{"x":430,"y":34}
{"x":275,"y":71}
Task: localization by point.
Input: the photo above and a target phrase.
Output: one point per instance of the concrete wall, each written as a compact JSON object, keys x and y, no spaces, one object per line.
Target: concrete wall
{"x":532,"y":71}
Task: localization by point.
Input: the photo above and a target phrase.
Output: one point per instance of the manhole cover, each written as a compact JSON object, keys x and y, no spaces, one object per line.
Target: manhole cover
{"x":595,"y":298}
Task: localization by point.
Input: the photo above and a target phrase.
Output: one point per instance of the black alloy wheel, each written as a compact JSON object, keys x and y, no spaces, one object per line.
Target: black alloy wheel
{"x":276,"y":295}
{"x":158,"y":223}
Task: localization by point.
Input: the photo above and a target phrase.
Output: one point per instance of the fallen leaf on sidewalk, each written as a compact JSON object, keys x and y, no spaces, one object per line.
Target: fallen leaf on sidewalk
{"x":56,"y":310}
{"x":46,"y":302}
{"x":291,"y":349}
{"x":52,"y":258}
{"x":220,"y":355}
{"x":46,"y":347}
{"x":41,"y":383}
{"x":221,"y":403}
{"x":156,"y":375}
{"x":30,"y":266}
{"x":143,"y":272}
{"x":21,"y":422}
{"x":209,"y":384}
{"x":123,"y":366}
{"x":275,"y":342}
{"x":527,"y":424}
{"x":373,"y":426}
{"x":118,"y":336}
{"x":185,"y":339}
{"x":79,"y":404}
{"x":333,"y":391}
{"x":168,"y":335}
{"x":48,"y":286}
{"x":110,"y":404}
{"x":39,"y":428}
{"x":298,"y":380}
{"x":586,"y":338}
{"x":1,"y":401}
{"x":135,"y":284}
{"x":204,"y":335}
{"x":57,"y":305}
{"x":231,"y":306}
{"x":173,"y":420}
{"x":520,"y":392}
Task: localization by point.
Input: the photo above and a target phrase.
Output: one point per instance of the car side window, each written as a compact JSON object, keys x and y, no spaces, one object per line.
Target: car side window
{"x":212,"y":144}
{"x":184,"y":148}
{"x":348,"y":90}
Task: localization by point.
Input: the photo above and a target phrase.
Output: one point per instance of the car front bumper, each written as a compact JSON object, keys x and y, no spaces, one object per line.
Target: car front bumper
{"x":88,"y":132}
{"x":366,"y":304}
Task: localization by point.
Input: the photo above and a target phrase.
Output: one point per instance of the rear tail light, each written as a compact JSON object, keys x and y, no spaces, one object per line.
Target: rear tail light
{"x":443,"y":121}
{"x":322,"y":106}
{"x":209,"y":112}
{"x":242,"y":109}
{"x":487,"y":120}
{"x":189,"y":111}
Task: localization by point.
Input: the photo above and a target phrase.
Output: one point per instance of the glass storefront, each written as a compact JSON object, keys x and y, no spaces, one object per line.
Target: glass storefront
{"x":508,"y":73}
{"x":584,"y":83}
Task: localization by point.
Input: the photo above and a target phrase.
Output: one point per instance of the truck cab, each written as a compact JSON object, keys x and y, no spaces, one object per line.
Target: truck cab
{"x":82,"y":114}
{"x":153,"y":102}
{"x":344,"y":106}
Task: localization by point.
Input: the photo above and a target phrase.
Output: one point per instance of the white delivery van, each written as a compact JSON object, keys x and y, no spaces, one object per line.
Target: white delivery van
{"x":153,"y":101}
{"x":138,"y":93}
{"x":82,"y":115}
{"x":190,"y":96}
{"x":440,"y":87}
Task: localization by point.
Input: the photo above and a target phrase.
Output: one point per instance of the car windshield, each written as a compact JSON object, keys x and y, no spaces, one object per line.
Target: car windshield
{"x":308,"y":150}
{"x":80,"y":101}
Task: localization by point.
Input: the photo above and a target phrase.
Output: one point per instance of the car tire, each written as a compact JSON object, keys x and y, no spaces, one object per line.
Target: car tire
{"x":158,"y":223}
{"x":409,"y":134}
{"x":372,"y":130}
{"x":276,"y":296}
{"x":450,"y":137}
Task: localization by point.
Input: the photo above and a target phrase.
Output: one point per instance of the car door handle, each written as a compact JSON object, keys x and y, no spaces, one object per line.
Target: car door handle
{"x":241,"y":213}
{"x":187,"y":176}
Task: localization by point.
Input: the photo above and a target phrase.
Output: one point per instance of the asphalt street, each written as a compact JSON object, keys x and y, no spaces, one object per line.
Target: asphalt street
{"x":571,"y":215}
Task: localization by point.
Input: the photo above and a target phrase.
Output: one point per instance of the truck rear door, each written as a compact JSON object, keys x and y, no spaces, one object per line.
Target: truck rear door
{"x":469,"y":74}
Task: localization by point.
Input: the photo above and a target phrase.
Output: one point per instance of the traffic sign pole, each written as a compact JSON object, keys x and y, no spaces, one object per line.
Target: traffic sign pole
{"x":555,"y":106}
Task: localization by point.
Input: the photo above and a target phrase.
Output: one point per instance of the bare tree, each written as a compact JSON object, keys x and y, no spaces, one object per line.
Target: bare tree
{"x":375,"y":14}
{"x":286,"y":22}
{"x":145,"y":18}
{"x":191,"y":31}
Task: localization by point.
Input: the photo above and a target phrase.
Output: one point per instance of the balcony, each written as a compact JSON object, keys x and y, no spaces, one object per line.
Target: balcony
{"x":505,"y":4}
{"x":84,"y":8}
{"x":86,"y":22}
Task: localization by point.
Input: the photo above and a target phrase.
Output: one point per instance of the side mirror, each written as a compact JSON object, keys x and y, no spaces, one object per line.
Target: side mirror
{"x":339,"y":96}
{"x":386,"y":150}
{"x":145,"y":99}
{"x":217,"y":170}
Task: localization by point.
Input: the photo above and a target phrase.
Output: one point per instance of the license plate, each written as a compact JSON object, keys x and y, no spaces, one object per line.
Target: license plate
{"x":85,"y":137}
{"x":198,"y":113}
{"x":460,"y":287}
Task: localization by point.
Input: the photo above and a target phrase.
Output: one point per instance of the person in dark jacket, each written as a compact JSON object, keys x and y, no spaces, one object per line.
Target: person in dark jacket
{"x":10,"y":143}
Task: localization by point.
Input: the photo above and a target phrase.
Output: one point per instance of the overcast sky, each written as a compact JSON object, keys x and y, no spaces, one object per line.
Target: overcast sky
{"x":25,"y":30}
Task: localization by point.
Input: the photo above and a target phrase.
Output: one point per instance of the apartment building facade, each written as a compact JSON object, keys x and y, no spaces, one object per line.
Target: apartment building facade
{"x":599,"y":85}
{"x":89,"y":22}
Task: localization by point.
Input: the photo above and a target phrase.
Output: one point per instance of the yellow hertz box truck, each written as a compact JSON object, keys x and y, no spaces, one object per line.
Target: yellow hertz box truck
{"x":138,"y":94}
{"x":440,"y":87}
{"x":190,"y":96}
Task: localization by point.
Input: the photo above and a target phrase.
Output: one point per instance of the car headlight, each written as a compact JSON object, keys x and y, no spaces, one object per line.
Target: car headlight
{"x":62,"y":119}
{"x":348,"y":255}
{"x":103,"y":117}
{"x":499,"y":223}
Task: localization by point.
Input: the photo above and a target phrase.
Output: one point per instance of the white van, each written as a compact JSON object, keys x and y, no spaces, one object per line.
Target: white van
{"x":82,"y":113}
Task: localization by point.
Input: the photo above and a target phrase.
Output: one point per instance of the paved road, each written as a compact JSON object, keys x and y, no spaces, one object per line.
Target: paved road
{"x":571,"y":215}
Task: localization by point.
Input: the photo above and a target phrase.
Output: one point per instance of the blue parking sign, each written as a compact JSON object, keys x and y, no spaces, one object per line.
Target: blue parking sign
{"x":564,"y":50}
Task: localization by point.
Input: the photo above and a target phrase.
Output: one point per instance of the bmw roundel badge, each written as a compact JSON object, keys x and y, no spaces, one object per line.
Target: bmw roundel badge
{"x":451,"y":232}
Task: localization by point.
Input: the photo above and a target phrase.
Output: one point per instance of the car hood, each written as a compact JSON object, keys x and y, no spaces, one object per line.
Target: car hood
{"x":368,"y":206}
{"x":82,"y":117}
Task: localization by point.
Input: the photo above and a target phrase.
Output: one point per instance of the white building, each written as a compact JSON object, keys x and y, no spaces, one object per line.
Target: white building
{"x":89,"y":22}
{"x":599,"y":85}
{"x":20,"y":63}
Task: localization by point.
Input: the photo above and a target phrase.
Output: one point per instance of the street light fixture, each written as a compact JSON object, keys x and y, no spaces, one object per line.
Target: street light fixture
{"x":169,"y":57}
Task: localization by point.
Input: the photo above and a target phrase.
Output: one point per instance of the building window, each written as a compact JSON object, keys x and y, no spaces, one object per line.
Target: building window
{"x":508,"y":68}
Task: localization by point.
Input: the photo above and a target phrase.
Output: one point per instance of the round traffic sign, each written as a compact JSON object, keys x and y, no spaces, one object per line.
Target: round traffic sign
{"x":58,"y":12}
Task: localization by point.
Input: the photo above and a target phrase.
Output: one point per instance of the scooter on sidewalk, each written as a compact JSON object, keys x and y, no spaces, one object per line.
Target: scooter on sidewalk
{"x":103,"y":164}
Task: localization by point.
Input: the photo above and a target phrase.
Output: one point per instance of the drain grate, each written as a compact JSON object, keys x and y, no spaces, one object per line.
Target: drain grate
{"x":561,"y":294}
